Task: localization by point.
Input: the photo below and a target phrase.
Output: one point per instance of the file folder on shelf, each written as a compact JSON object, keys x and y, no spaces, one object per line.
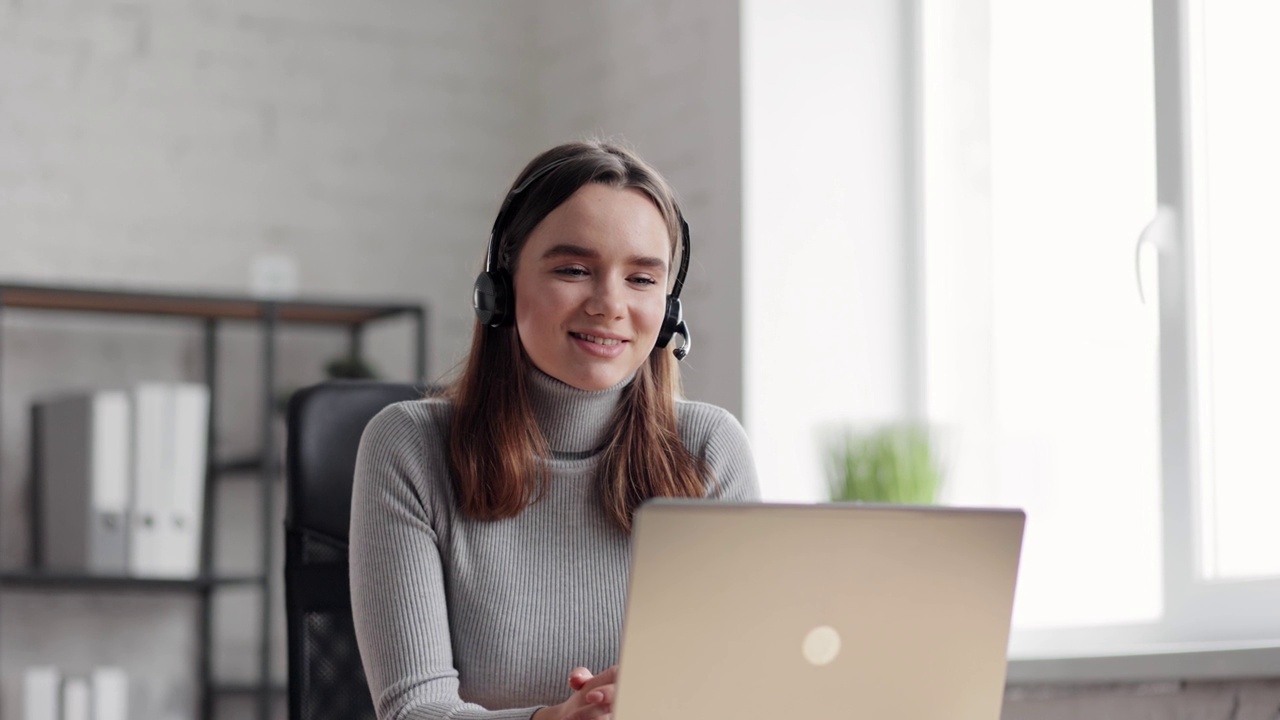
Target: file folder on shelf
{"x":110,"y":693}
{"x":41,"y":693}
{"x":77,"y":699}
{"x":81,"y":453}
{"x":152,"y":481}
{"x":170,"y":456}
{"x":190,"y":427}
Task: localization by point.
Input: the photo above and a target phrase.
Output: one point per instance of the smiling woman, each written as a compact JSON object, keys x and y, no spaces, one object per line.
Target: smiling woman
{"x":592,"y":279}
{"x":486,"y":522}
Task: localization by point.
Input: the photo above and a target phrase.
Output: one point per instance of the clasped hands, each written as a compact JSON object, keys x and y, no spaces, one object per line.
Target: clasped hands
{"x":592,"y":697}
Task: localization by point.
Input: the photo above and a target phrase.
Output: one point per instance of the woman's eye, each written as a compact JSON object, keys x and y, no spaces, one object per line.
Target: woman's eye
{"x":641,"y":280}
{"x":571,"y":271}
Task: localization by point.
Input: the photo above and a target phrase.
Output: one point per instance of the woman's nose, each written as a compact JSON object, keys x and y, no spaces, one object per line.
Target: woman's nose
{"x":606,"y":298}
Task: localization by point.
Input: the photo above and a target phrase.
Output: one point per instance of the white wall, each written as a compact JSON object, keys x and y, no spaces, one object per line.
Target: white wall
{"x":823,"y":147}
{"x":664,"y":77}
{"x":168,"y":143}
{"x":165,"y":144}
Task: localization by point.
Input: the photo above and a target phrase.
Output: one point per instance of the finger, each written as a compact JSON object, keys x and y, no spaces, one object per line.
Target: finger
{"x":591,"y":712}
{"x":608,"y":677}
{"x":577,"y":677}
{"x":602,"y":695}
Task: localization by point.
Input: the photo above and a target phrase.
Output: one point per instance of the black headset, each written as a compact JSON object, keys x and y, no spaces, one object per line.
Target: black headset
{"x":493,"y":296}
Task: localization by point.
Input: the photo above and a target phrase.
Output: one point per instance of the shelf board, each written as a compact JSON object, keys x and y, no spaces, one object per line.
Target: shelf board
{"x":131,"y":302}
{"x":39,"y":580}
{"x":246,"y":688}
{"x":247,"y":465}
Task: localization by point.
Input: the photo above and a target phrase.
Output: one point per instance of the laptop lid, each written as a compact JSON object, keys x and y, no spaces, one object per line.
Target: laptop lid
{"x":817,"y":611}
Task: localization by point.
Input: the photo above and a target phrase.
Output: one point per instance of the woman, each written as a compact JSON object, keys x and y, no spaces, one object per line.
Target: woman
{"x":490,"y":529}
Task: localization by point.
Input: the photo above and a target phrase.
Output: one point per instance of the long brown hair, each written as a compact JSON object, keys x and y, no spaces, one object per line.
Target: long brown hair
{"x":496,"y":450}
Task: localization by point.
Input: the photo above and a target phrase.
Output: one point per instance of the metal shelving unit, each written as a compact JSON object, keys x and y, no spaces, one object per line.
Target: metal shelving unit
{"x":212,"y":313}
{"x":39,"y":580}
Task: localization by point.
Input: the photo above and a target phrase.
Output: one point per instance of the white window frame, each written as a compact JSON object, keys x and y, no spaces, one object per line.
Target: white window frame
{"x":1210,"y":629}
{"x":1196,"y":610}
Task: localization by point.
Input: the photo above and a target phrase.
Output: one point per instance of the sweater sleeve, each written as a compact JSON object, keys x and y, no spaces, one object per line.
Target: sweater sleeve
{"x":733,"y":465}
{"x":397,"y":581}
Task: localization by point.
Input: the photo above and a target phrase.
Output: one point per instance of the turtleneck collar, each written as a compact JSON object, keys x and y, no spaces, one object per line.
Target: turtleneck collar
{"x":573,"y":421}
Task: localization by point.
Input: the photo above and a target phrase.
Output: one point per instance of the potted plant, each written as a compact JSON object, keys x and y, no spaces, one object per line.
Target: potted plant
{"x":894,"y":463}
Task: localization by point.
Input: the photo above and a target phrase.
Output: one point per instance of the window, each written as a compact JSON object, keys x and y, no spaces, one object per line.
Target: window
{"x":1237,"y":251}
{"x":1113,"y":388}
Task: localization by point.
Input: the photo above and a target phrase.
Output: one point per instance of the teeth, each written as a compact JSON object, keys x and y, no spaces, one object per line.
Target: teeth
{"x":596,"y":340}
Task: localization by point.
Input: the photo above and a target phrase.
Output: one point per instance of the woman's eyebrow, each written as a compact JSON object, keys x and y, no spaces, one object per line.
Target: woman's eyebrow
{"x":578,"y":251}
{"x":570,"y":250}
{"x":646,"y":261}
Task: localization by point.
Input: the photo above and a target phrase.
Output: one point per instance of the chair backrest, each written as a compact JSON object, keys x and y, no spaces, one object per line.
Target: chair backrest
{"x":325,"y":421}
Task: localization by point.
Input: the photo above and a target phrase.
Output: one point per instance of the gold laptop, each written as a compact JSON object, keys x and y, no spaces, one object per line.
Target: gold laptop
{"x":873,"y":612}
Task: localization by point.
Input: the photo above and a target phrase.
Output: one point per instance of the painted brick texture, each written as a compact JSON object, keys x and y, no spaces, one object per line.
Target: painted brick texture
{"x":166,"y":144}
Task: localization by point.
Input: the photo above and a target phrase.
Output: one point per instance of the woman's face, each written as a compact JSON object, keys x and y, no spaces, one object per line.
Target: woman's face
{"x":590,"y":286}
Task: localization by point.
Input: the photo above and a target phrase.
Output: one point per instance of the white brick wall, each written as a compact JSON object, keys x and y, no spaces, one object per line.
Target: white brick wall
{"x":166,"y":143}
{"x":179,"y":139}
{"x":663,"y":76}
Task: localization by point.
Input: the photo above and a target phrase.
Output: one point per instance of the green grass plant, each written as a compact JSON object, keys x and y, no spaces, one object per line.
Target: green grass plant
{"x":886,"y":464}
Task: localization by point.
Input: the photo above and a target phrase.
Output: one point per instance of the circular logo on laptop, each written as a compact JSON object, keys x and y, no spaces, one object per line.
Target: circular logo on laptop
{"x":821,"y":645}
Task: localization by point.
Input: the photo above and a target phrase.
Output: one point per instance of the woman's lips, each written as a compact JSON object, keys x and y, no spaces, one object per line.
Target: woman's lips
{"x":598,"y":346}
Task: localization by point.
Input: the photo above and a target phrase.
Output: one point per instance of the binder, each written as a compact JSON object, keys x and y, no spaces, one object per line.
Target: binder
{"x":41,"y":694}
{"x":190,"y":427}
{"x":76,"y":699}
{"x":152,"y":482}
{"x":81,"y":469}
{"x":110,"y":693}
{"x":171,"y":429}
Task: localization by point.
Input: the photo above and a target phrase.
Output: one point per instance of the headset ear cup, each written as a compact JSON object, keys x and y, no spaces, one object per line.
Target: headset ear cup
{"x":491,"y":298}
{"x":671,"y":322}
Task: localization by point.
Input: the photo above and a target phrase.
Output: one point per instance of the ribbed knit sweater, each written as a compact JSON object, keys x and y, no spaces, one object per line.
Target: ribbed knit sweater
{"x":480,"y":620}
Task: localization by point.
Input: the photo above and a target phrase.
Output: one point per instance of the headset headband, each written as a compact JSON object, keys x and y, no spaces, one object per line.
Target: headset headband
{"x":499,"y":221}
{"x":490,"y":260}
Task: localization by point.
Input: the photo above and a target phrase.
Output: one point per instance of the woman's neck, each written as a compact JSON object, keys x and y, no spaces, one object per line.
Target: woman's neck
{"x":573,"y":421}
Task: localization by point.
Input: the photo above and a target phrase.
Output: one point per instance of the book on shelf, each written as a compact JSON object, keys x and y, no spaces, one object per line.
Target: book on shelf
{"x":120,"y":480}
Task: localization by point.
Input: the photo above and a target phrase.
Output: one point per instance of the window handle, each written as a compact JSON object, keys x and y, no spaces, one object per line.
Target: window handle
{"x":1153,"y":235}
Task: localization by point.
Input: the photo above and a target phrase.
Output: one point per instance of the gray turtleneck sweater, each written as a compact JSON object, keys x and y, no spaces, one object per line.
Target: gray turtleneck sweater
{"x":482,"y":620}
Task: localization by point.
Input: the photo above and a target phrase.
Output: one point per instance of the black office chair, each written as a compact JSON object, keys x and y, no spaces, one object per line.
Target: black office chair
{"x":325,"y":421}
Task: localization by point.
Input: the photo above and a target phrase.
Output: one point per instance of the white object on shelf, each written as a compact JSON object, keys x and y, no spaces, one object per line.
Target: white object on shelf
{"x":77,"y":699}
{"x":40,"y":693}
{"x":110,"y":693}
{"x":152,"y":477}
{"x":170,"y":455}
{"x":190,"y":428}
{"x":82,"y":443}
